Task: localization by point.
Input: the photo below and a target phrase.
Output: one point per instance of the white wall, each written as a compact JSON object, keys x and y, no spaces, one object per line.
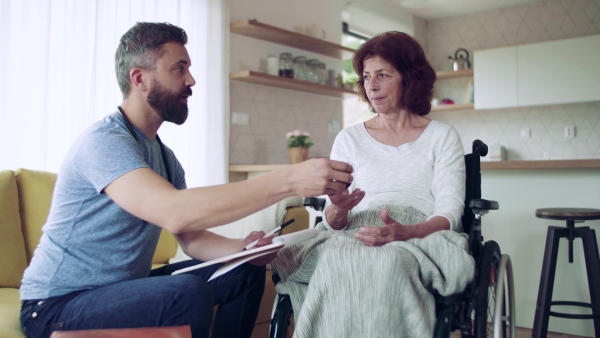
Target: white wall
{"x":364,"y":21}
{"x":523,"y":236}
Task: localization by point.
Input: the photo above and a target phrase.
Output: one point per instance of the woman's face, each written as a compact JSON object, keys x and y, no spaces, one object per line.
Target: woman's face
{"x":383,"y":84}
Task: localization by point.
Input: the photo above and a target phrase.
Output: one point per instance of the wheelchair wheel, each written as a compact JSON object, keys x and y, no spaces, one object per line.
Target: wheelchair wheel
{"x":485,"y":300}
{"x":280,"y":320}
{"x":504,"y":293}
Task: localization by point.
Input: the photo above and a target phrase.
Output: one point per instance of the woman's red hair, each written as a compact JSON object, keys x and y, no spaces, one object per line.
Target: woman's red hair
{"x":408,"y":57}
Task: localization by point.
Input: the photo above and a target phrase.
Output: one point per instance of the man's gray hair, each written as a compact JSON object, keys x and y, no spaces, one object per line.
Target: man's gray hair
{"x":141,"y":46}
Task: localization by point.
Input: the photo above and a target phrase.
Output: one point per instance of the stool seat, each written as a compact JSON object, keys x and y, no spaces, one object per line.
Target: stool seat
{"x":567,"y":214}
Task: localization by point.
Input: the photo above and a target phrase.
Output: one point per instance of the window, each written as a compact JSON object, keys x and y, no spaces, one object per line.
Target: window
{"x":355,"y":110}
{"x":58,"y":77}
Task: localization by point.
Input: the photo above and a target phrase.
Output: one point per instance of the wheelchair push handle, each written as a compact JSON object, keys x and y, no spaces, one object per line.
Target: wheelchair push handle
{"x":315,"y":202}
{"x":480,"y":148}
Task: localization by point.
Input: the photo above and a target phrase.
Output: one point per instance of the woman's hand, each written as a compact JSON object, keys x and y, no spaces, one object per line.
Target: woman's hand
{"x":345,"y":200}
{"x":391,"y":231}
{"x":254,"y":235}
{"x":337,"y":212}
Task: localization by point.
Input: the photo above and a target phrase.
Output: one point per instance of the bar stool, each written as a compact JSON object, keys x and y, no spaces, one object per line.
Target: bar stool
{"x":592,"y":262}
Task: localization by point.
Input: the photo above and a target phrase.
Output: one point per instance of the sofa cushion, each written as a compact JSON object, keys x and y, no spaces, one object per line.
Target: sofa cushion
{"x":166,"y":248}
{"x":35,"y":195}
{"x":10,"y":304}
{"x":12,"y":244}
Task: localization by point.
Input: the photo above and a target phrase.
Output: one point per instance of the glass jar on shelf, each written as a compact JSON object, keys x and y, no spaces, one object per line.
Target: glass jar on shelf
{"x":300,"y":68}
{"x":286,"y":65}
{"x":312,"y":73}
{"x":322,"y":73}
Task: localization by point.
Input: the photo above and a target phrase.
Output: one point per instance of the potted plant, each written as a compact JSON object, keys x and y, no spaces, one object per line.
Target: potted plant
{"x":298,"y":143}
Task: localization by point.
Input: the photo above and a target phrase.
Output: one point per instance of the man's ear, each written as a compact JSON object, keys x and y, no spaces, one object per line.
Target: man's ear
{"x":138,"y":78}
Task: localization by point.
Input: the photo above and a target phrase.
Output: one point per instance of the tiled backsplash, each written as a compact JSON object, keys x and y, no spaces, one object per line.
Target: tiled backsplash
{"x":546,"y":125}
{"x":272,"y":113}
{"x":515,"y":25}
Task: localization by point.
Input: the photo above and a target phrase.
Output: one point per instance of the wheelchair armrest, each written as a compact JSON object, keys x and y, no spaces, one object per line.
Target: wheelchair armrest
{"x":481,"y":204}
{"x":275,"y":277}
{"x":315,"y":202}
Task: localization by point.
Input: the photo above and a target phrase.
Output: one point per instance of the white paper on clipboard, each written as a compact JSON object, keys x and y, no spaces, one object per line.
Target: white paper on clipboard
{"x":234,"y":260}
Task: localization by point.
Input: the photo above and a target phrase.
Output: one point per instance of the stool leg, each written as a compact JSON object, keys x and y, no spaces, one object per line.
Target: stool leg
{"x":571,"y":227}
{"x":542,"y":310}
{"x":592,"y":263}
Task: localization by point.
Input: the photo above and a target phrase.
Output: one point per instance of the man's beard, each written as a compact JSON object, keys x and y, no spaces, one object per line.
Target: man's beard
{"x":167,"y":104}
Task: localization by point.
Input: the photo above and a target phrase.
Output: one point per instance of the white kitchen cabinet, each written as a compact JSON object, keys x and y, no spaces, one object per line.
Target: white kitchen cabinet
{"x":553,"y":72}
{"x":562,"y":71}
{"x":495,"y":78}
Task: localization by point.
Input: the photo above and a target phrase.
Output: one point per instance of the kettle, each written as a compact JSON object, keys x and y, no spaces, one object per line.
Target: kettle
{"x":460,"y":59}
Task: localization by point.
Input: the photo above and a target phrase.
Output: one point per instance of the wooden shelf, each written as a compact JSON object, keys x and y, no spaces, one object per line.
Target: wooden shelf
{"x":284,"y":82}
{"x":245,"y":168}
{"x":266,"y":32}
{"x":454,"y":74}
{"x":446,"y":107}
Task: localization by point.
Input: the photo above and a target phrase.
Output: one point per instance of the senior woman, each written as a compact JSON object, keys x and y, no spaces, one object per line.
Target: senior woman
{"x":399,"y":156}
{"x":393,"y":237}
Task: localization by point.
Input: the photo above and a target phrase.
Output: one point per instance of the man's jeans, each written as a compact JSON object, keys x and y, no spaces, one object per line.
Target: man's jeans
{"x":159,"y":300}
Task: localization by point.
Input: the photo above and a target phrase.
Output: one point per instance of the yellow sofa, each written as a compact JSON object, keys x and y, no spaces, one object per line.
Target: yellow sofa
{"x":25,"y":197}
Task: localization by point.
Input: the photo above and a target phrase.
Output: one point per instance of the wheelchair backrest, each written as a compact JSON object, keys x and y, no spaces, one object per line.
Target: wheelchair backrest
{"x":473,"y":181}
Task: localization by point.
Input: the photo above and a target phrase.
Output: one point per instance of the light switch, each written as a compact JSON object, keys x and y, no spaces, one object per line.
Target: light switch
{"x":333,"y":126}
{"x":525,"y":133}
{"x":569,"y":131}
{"x":240,"y":118}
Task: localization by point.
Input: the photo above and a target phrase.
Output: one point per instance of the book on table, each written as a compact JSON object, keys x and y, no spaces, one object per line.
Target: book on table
{"x":232,"y":261}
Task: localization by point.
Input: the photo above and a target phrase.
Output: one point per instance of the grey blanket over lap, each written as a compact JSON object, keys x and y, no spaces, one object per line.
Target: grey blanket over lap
{"x":341,"y":288}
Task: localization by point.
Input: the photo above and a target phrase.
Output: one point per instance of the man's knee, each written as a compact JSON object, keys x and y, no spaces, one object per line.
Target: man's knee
{"x":192,"y":292}
{"x":256,"y":275}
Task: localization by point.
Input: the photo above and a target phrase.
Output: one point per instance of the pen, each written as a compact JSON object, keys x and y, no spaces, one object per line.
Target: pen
{"x":279,"y":228}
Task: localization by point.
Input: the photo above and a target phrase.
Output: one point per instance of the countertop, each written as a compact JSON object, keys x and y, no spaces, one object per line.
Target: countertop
{"x":500,"y":165}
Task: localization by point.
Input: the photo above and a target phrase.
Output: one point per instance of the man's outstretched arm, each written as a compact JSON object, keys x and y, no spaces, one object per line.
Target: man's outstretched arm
{"x":147,"y":195}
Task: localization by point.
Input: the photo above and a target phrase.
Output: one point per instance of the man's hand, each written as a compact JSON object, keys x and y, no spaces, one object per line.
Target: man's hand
{"x":254,"y":235}
{"x":320,"y":176}
{"x":391,"y":231}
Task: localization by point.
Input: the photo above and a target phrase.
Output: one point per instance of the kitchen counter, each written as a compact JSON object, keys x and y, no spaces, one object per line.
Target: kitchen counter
{"x":244,"y":169}
{"x":542,"y":164}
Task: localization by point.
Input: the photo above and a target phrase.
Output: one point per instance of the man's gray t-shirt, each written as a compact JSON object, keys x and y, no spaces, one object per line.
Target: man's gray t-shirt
{"x":89,"y":241}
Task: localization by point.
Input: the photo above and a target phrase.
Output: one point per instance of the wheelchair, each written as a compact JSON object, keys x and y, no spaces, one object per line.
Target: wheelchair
{"x":486,"y":308}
